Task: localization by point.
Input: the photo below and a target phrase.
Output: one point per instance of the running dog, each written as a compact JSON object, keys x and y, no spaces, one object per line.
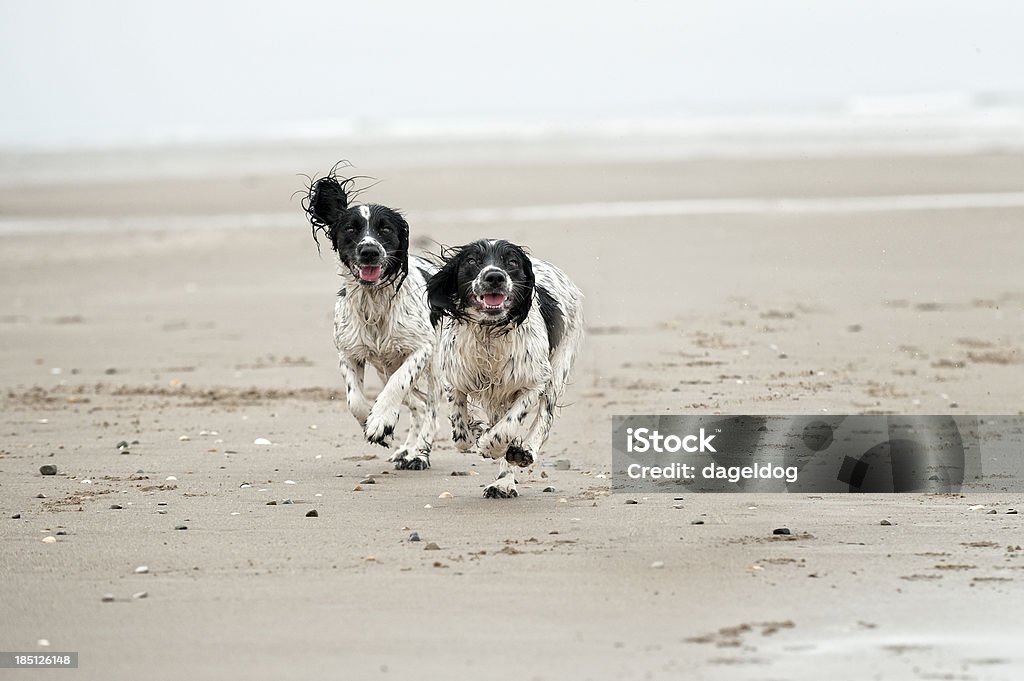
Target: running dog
{"x":381,"y":317}
{"x":510,"y":329}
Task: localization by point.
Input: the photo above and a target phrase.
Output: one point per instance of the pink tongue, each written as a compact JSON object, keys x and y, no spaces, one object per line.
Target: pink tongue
{"x":494,"y":299}
{"x":369,"y":273}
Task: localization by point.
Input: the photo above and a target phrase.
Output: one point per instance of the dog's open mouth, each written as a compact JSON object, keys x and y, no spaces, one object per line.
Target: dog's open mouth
{"x":370,"y":273}
{"x":492,"y":303}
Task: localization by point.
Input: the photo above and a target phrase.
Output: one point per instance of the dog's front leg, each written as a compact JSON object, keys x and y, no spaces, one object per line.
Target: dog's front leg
{"x":383,"y":418}
{"x":353,"y":372}
{"x":462,"y":433}
{"x":505,"y":440}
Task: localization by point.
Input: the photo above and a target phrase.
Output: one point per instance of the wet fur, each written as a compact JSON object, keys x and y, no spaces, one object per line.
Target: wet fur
{"x":510,"y":371}
{"x":383,"y":324}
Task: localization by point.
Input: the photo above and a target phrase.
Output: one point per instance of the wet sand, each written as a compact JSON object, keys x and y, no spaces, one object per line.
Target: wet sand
{"x":196,"y":342}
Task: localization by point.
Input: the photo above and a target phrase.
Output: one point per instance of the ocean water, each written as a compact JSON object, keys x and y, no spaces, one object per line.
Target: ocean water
{"x":939,"y":123}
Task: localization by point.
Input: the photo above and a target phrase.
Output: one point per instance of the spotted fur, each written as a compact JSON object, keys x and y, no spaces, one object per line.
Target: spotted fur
{"x":508,"y":367}
{"x":381,"y":319}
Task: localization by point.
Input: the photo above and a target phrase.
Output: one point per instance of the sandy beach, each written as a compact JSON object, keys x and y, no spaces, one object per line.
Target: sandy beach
{"x":190,"y":314}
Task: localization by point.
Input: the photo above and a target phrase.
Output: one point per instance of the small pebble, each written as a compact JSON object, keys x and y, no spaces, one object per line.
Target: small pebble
{"x":48,"y":469}
{"x":244,"y":485}
{"x":781,"y":530}
{"x":357,"y":488}
{"x":184,"y":438}
{"x":885,"y":522}
{"x":444,"y":495}
{"x":40,"y":496}
{"x":415,"y":536}
{"x":271,"y":503}
{"x":142,"y":569}
{"x":1009,"y":511}
{"x":108,"y":598}
{"x":287,"y":501}
{"x":427,"y":506}
{"x":658,"y":564}
{"x":991,"y":511}
{"x":140,"y":595}
{"x":261,"y":441}
{"x":312,"y":514}
{"x":677,"y":506}
{"x":367,"y":481}
{"x":170,"y":478}
{"x":49,"y":539}
{"x":431,"y":546}
{"x":458,"y":473}
{"x":563,"y":465}
{"x":289,"y":482}
{"x":17,"y":516}
{"x":123,"y":444}
{"x":181,"y":527}
{"x":632,"y":501}
{"x":87,"y":481}
{"x":548,"y":489}
{"x":61,"y":533}
{"x":43,"y":643}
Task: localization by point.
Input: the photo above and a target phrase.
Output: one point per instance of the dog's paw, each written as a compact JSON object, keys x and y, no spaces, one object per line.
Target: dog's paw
{"x":418,"y":462}
{"x":380,"y":427}
{"x":405,"y":460}
{"x":399,"y":456}
{"x":519,"y":456}
{"x":494,"y":443}
{"x":502,"y":488}
{"x":463,"y":442}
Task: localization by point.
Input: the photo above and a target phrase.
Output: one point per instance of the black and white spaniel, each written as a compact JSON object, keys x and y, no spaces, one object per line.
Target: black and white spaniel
{"x":511,"y":327}
{"x":381,"y":317}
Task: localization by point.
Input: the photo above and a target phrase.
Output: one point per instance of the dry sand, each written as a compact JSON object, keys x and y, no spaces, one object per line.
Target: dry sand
{"x":222,"y":336}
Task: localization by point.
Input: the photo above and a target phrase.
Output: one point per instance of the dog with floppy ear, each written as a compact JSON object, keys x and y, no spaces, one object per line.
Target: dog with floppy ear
{"x":381,"y":317}
{"x":511,"y":327}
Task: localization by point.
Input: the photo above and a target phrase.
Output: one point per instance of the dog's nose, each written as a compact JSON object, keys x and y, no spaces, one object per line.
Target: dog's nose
{"x":369,"y":251}
{"x":495,"y":278}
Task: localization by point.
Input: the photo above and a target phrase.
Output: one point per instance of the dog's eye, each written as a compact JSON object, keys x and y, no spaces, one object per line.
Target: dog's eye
{"x":384,"y":229}
{"x":351,"y":229}
{"x":512,"y":263}
{"x":470,"y":261}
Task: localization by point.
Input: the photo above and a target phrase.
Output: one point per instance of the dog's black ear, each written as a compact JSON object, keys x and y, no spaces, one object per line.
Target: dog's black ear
{"x":443,"y":290}
{"x":524,"y":301}
{"x":326,"y":200}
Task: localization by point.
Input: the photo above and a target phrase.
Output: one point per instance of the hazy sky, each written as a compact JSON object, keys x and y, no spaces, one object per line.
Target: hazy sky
{"x":74,"y":71}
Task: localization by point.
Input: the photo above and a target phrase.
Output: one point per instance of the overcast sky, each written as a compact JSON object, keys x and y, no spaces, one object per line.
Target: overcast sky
{"x":80,"y":72}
